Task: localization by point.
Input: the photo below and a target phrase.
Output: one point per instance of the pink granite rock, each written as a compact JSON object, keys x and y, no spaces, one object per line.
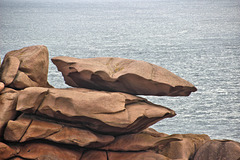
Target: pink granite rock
{"x":8,"y":100}
{"x":122,"y":75}
{"x":39,"y":151}
{"x":219,"y":149}
{"x":183,"y":149}
{"x":27,"y":67}
{"x":1,"y":86}
{"x":27,"y":128}
{"x":105,"y":112}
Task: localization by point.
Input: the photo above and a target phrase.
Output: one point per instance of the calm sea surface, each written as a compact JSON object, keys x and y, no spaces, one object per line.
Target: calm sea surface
{"x":199,"y":40}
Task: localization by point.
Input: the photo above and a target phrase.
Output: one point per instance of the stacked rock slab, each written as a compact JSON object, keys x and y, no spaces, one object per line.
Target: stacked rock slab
{"x":122,"y":75}
{"x":100,"y":119}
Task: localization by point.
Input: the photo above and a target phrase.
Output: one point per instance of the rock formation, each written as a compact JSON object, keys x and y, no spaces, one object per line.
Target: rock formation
{"x":8,"y":100}
{"x":40,"y":122}
{"x":106,"y":112}
{"x":27,"y":67}
{"x":122,"y":75}
{"x":219,"y":149}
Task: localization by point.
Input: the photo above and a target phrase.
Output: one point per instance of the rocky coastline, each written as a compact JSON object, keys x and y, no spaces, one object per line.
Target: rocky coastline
{"x":100,"y":118}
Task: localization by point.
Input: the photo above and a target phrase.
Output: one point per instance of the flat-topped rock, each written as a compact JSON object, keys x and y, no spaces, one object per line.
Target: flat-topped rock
{"x":27,"y":67}
{"x":122,"y":75}
{"x":105,"y":112}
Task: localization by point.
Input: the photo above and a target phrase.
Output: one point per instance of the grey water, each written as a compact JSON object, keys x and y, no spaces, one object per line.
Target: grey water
{"x":199,"y":40}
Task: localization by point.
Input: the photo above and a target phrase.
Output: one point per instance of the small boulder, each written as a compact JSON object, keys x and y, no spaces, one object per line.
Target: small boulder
{"x":27,"y":67}
{"x":105,"y":112}
{"x":219,"y":149}
{"x":122,"y":75}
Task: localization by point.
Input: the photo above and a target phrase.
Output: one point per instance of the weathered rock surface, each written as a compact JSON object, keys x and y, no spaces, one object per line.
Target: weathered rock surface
{"x":139,"y":142}
{"x":1,"y":86}
{"x":108,"y":155}
{"x":27,"y":128}
{"x":6,"y":152}
{"x":27,"y":67}
{"x":39,"y":151}
{"x":106,"y":112}
{"x":177,"y":146}
{"x":122,"y":75}
{"x":8,"y":99}
{"x":183,"y":149}
{"x":147,"y":155}
{"x":219,"y":149}
{"x":94,"y":154}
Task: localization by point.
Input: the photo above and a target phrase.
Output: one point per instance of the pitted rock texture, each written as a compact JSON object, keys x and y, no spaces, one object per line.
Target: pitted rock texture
{"x":27,"y":128}
{"x":27,"y":67}
{"x":8,"y":100}
{"x":105,"y":112}
{"x":122,"y":75}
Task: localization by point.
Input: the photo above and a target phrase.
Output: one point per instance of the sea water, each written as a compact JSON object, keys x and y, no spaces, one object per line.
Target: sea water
{"x":199,"y":40}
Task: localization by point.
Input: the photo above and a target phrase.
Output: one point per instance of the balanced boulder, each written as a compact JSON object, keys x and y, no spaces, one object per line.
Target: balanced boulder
{"x":27,"y":67}
{"x":122,"y":75}
{"x":105,"y":112}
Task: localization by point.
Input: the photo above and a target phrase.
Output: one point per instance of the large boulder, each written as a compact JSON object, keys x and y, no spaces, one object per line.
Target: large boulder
{"x":122,"y":75}
{"x":183,"y":149}
{"x":39,"y":151}
{"x":8,"y":100}
{"x":105,"y":112}
{"x":219,"y":149}
{"x":27,"y":128}
{"x":27,"y":67}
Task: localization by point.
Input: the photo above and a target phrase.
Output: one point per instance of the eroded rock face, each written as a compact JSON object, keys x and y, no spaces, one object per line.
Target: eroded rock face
{"x":122,"y":75}
{"x":27,"y":128}
{"x":184,"y":148}
{"x":106,"y":112}
{"x":147,"y":155}
{"x":219,"y":149}
{"x":27,"y":67}
{"x":177,"y":146}
{"x":39,"y":151}
{"x":139,"y":142}
{"x":94,"y":154}
{"x":8,"y":99}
